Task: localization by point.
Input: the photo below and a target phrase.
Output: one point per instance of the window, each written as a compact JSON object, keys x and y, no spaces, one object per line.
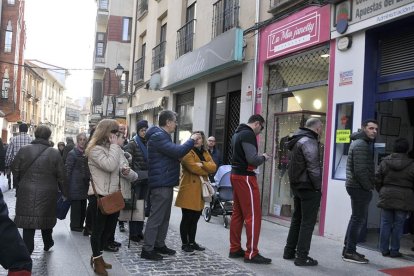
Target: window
{"x":185,"y":34}
{"x":158,"y":52}
{"x":142,"y":7}
{"x":103,"y":4}
{"x":225,"y":16}
{"x":11,"y":2}
{"x":100,"y":44}
{"x":126,"y":28}
{"x":8,"y":38}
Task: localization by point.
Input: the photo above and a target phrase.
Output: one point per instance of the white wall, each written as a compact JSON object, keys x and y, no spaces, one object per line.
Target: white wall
{"x":338,"y":207}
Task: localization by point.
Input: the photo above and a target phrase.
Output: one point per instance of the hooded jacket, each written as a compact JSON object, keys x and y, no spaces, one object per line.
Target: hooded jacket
{"x":394,"y":181}
{"x":304,"y":169}
{"x":164,"y":158}
{"x":245,"y":159}
{"x":360,"y":168}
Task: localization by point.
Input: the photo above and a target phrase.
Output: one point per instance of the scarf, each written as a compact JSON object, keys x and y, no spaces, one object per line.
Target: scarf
{"x":199,"y":153}
{"x":141,"y":145}
{"x":80,"y":149}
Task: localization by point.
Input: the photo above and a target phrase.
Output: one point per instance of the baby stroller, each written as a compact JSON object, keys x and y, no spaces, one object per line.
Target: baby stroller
{"x":222,"y":202}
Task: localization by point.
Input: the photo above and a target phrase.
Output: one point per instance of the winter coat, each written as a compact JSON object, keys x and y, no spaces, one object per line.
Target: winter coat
{"x":77,"y":173}
{"x":395,"y":182}
{"x":39,"y":183}
{"x":164,"y":158}
{"x":103,"y":164}
{"x":189,"y":194}
{"x":360,"y":168}
{"x":305,"y":166}
{"x":139,"y":164}
{"x":126,"y":189}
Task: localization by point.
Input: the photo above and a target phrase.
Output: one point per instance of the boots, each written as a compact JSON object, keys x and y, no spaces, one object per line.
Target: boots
{"x":106,"y":265}
{"x":99,"y":266}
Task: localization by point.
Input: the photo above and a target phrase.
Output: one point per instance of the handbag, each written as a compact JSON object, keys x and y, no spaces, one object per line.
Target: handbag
{"x":129,"y":204}
{"x":109,"y":204}
{"x":62,"y":207}
{"x":207,"y":191}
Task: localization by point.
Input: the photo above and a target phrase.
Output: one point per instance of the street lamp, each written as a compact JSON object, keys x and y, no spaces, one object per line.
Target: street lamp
{"x":119,"y":70}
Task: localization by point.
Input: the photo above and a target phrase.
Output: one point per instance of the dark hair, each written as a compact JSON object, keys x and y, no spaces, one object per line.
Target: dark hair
{"x":23,"y":127}
{"x":366,"y":122}
{"x":256,"y":118}
{"x":166,"y":115}
{"x":61,"y":144}
{"x":401,"y":145}
{"x":42,"y":132}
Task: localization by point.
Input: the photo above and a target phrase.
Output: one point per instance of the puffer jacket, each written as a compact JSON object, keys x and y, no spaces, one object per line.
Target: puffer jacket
{"x":189,"y":194}
{"x":77,"y":175}
{"x":304,"y":169}
{"x":103,"y":164}
{"x":360,"y":168}
{"x":164,"y":158}
{"x":39,"y":183}
{"x":394,"y":181}
{"x":139,"y":164}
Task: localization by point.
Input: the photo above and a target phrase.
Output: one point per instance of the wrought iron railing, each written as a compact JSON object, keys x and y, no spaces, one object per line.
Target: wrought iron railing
{"x":142,"y":7}
{"x":225,"y":16}
{"x":139,"y":70}
{"x":158,"y":56}
{"x":185,"y":36}
{"x":103,"y":5}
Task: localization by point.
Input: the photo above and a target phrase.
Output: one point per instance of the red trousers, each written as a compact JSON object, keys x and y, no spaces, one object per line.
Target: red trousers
{"x":246,"y":209}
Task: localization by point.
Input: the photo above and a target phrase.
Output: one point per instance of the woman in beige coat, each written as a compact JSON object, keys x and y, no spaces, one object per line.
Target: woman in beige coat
{"x":198,"y":162}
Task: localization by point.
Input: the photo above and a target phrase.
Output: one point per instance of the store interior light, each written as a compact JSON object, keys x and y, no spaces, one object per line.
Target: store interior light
{"x":324,"y":55}
{"x":317,"y":104}
{"x":298,"y":99}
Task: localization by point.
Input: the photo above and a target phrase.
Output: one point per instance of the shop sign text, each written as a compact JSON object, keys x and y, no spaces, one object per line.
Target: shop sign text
{"x":346,"y":77}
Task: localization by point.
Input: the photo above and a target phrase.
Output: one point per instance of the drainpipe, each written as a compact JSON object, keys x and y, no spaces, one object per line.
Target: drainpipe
{"x":133,"y":64}
{"x":256,"y":56}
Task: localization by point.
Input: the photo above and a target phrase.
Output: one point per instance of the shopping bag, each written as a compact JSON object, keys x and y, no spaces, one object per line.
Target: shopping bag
{"x":62,"y":207}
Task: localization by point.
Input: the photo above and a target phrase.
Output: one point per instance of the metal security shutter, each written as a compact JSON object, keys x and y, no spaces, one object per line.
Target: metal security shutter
{"x":233,"y":119}
{"x":397,"y":53}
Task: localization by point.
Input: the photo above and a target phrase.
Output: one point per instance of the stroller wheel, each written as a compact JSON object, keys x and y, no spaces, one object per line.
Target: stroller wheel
{"x":207,"y":214}
{"x":226,"y":221}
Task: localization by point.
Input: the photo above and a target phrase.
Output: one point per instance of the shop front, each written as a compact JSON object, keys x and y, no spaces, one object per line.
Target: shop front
{"x":293,"y":76}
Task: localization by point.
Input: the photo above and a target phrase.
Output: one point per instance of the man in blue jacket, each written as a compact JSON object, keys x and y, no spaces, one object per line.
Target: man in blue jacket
{"x":163,"y":174}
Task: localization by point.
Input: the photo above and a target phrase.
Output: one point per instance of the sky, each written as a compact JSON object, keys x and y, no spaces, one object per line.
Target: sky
{"x":62,"y":33}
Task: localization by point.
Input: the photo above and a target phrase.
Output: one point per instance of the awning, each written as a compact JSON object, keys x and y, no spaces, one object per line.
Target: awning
{"x":146,"y":106}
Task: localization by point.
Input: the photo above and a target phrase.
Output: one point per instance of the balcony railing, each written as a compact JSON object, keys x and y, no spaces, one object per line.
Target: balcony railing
{"x":185,"y":36}
{"x":103,"y":5}
{"x":142,"y":7}
{"x":225,"y":16}
{"x":158,"y":56}
{"x":139,"y":70}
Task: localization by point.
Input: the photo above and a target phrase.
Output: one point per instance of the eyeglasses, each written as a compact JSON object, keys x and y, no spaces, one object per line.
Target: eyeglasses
{"x":119,"y":134}
{"x":115,"y":131}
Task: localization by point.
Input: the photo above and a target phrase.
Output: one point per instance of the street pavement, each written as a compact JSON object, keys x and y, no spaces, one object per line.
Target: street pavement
{"x":71,"y":253}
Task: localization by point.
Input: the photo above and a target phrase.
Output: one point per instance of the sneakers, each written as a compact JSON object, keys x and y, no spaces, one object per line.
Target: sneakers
{"x":258,"y":259}
{"x":359,"y":254}
{"x":151,"y":255}
{"x":386,"y":253}
{"x":354,"y":258}
{"x":308,"y":261}
{"x":237,"y":254}
{"x":197,"y":247}
{"x":164,"y":250}
{"x":48,"y":246}
{"x":187,"y":248}
{"x":396,"y":255}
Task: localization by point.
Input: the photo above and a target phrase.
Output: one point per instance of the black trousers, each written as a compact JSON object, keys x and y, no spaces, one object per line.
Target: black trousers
{"x":303,"y":222}
{"x":102,"y":228}
{"x":13,"y":251}
{"x":28,"y":237}
{"x":90,"y":213}
{"x":77,"y":213}
{"x":188,"y":225}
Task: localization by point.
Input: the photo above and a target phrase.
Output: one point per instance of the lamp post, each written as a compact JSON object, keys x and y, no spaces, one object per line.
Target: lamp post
{"x":119,"y":70}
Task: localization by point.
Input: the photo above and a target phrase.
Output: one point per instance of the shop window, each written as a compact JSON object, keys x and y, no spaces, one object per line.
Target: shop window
{"x":343,"y":129}
{"x":185,"y":110}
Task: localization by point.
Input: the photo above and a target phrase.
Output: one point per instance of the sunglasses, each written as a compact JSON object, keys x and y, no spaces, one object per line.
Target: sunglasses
{"x":115,"y":131}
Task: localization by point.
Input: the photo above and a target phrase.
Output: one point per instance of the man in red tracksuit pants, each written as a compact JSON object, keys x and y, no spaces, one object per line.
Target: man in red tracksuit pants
{"x":246,"y":195}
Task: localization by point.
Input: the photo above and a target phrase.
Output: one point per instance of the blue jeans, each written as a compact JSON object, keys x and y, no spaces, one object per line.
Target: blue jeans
{"x":392,"y":225}
{"x":360,"y":200}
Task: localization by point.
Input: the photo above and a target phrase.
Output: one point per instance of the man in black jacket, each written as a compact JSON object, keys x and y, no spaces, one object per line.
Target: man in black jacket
{"x":305,"y":175}
{"x":360,"y":180}
{"x":246,"y":201}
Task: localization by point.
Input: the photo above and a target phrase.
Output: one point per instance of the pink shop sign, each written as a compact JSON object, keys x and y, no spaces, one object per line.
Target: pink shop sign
{"x":304,"y":29}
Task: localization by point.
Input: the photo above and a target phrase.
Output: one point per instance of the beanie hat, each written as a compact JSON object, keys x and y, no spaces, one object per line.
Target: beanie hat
{"x":23,"y":127}
{"x":142,"y":124}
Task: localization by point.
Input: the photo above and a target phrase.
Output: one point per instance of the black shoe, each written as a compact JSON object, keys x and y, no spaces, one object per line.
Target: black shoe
{"x":396,"y":255}
{"x":258,"y":259}
{"x":359,"y":254}
{"x":187,"y":248}
{"x":135,"y":238}
{"x":111,"y":248}
{"x":121,"y":228}
{"x":151,"y":255}
{"x":76,"y":229}
{"x":164,"y":250}
{"x":86,"y":232}
{"x":237,"y":254}
{"x":308,"y":261}
{"x":117,"y":244}
{"x":141,"y":236}
{"x":354,"y":258}
{"x":289,"y":254}
{"x":197,"y":247}
{"x":386,"y":253}
{"x":48,"y":246}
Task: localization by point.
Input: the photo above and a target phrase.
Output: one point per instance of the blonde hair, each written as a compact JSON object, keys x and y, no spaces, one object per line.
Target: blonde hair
{"x":101,"y":134}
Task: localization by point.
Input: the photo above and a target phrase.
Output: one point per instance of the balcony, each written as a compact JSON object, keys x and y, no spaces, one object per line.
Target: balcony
{"x":279,"y":7}
{"x":142,"y":8}
{"x":185,"y":37}
{"x":158,"y":56}
{"x":139,"y":70}
{"x":225,"y":16}
{"x":102,"y":15}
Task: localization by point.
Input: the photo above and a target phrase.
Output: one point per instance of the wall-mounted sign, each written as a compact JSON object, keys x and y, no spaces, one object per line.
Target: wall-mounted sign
{"x":343,"y":14}
{"x":346,"y":77}
{"x":344,"y":43}
{"x":343,"y":136}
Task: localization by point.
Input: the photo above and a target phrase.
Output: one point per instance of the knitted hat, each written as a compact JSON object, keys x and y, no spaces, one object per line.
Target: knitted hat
{"x":142,"y":124}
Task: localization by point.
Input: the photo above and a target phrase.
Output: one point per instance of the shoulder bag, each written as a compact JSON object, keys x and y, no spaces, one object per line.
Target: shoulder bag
{"x":207,"y":191}
{"x":111,"y":203}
